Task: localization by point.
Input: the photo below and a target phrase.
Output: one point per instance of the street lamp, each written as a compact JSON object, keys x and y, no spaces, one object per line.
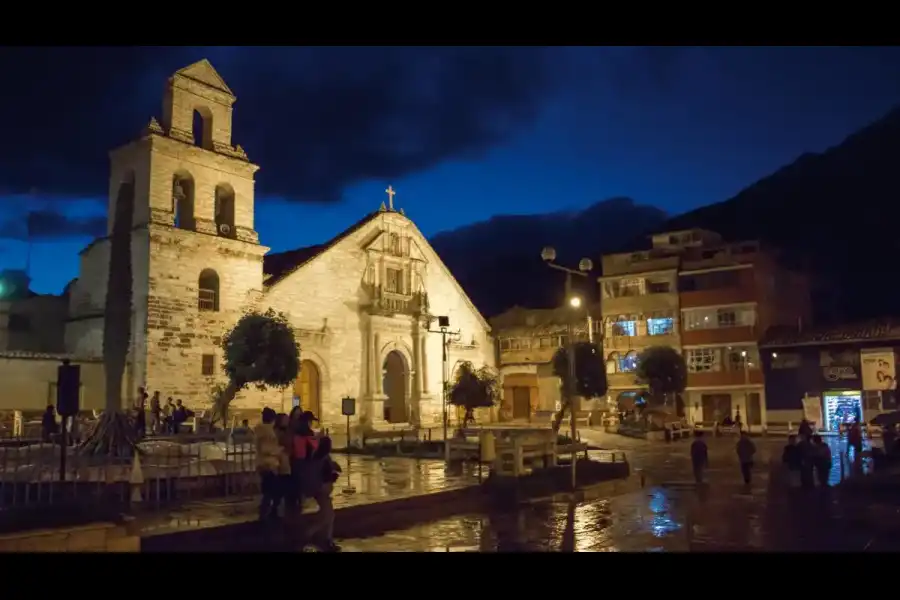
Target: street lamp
{"x":548,"y":254}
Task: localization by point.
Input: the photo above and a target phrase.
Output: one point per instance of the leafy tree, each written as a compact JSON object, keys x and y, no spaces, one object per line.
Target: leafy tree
{"x":474,"y":388}
{"x":115,"y":433}
{"x":261,"y":350}
{"x":663,"y":370}
{"x":590,"y":376}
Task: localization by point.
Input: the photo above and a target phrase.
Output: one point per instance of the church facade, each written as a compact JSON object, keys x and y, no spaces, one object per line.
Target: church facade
{"x":361,"y":304}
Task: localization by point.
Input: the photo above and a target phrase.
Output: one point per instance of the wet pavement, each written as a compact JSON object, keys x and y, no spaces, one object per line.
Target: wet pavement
{"x":669,"y":513}
{"x":365,"y":480}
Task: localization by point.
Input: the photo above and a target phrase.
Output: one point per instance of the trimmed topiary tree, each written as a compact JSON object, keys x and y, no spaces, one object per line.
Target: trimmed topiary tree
{"x":590,"y":376}
{"x":260,"y":350}
{"x":474,"y":388}
{"x":663,"y":370}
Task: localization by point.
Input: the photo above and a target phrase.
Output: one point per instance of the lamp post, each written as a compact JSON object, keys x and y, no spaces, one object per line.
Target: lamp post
{"x":548,"y":254}
{"x":746,"y":362}
{"x":446,"y":336}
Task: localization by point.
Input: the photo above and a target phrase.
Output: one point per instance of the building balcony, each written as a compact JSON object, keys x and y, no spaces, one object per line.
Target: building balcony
{"x":527,"y":356}
{"x":624,"y":343}
{"x":622,"y":381}
{"x":734,"y":295}
{"x":625,"y":264}
{"x":709,"y":379}
{"x":720,"y":335}
{"x":388,"y":303}
{"x":639,"y":305}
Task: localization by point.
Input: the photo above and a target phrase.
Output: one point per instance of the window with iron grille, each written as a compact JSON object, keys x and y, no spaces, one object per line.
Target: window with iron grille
{"x":208,"y":292}
{"x":394,"y":281}
{"x":208,"y":365}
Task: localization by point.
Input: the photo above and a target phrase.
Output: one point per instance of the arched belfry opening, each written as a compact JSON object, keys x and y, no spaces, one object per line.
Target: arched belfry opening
{"x":183,"y":200}
{"x":208,"y":291}
{"x":202,"y":127}
{"x":224,"y":210}
{"x":396,"y":373}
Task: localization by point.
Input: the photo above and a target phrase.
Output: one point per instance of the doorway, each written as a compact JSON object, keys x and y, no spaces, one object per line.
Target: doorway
{"x":842,"y":407}
{"x":521,"y":402}
{"x":307,"y":388}
{"x":394,"y":385}
{"x":716,"y":407}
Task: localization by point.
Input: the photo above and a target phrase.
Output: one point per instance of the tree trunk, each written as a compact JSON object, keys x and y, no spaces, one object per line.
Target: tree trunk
{"x":222,"y":404}
{"x":564,"y":406}
{"x":115,"y":433}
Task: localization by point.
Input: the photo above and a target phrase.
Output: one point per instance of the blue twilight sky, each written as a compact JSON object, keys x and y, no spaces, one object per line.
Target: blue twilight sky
{"x":461,"y":133}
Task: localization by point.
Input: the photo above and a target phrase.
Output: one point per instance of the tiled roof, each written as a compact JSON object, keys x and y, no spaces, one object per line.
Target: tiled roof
{"x":519,"y":321}
{"x":882,"y":329}
{"x":281,"y":264}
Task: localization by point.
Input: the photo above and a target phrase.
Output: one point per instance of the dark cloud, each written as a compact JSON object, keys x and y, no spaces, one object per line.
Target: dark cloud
{"x":316,"y":119}
{"x":50,"y":224}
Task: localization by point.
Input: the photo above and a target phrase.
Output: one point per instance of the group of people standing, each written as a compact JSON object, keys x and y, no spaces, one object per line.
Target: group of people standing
{"x":807,"y":458}
{"x":164,"y":418}
{"x":295,"y":464}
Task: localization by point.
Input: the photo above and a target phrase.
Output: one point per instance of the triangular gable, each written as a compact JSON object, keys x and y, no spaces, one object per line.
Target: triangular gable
{"x":203,"y":72}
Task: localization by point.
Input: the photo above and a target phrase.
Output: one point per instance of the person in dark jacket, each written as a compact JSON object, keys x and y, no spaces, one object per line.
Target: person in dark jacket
{"x":49,"y":426}
{"x":805,"y":430}
{"x":821,"y":460}
{"x":699,"y":456}
{"x":792,"y":460}
{"x":322,"y":475}
{"x":807,"y":460}
{"x":303,"y":445}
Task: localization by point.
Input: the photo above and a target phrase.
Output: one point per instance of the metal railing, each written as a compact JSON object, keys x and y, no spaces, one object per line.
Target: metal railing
{"x":166,"y":471}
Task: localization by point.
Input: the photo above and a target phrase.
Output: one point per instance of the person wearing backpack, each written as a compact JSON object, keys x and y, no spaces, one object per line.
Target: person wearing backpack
{"x":324,"y":474}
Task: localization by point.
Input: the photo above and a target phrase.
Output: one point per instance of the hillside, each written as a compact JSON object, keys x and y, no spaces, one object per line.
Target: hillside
{"x":835,"y":212}
{"x":498,"y":261}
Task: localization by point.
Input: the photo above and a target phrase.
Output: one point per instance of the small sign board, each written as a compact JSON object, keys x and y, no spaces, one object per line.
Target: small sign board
{"x":348,"y":406}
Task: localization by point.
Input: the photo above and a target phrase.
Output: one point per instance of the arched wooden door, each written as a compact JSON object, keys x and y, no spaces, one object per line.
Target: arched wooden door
{"x":395,"y":375}
{"x":307,"y":387}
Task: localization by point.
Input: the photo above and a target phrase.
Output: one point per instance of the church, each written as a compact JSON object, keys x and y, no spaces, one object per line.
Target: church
{"x":364,"y":305}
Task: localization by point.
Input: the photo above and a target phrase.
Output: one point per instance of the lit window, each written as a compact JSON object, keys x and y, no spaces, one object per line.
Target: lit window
{"x":662,"y":326}
{"x":625,"y":328}
{"x":700,"y":360}
{"x":628,"y":362}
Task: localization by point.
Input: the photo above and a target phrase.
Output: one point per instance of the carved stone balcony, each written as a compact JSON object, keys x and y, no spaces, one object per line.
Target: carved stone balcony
{"x":390,"y":303}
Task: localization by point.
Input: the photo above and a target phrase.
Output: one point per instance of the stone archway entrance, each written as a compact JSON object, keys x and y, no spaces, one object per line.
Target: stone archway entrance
{"x":308,"y":387}
{"x":394,"y":384}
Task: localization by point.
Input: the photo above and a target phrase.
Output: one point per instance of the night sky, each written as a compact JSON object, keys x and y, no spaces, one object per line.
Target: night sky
{"x":461,"y":133}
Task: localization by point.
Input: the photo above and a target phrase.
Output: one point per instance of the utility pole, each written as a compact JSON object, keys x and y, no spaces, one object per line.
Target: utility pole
{"x":548,"y":254}
{"x":446,"y":337}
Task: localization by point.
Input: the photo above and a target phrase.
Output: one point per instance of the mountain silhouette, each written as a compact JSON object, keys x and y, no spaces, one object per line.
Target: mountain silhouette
{"x":498,"y":261}
{"x":833,"y":213}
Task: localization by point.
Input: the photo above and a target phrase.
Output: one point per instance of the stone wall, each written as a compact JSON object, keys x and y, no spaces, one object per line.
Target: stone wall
{"x":99,"y":537}
{"x":178,"y":334}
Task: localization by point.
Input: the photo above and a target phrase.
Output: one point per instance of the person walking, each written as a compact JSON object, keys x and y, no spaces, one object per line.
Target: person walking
{"x":304,"y":443}
{"x":746,"y":450}
{"x":323,"y":474}
{"x":155,"y":413}
{"x":268,"y":463}
{"x":699,"y":457}
{"x":821,"y":460}
{"x":792,"y":460}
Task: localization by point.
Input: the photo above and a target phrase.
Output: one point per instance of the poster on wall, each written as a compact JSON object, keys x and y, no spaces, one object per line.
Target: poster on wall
{"x":812,"y":409}
{"x":878,"y":369}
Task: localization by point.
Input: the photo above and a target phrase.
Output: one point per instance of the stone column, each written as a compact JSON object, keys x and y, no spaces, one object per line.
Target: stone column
{"x":376,"y":346}
{"x":370,"y":359}
{"x":423,"y":358}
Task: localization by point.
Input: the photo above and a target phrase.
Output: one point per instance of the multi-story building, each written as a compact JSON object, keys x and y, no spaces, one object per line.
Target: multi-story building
{"x":710,"y":300}
{"x":527,"y":341}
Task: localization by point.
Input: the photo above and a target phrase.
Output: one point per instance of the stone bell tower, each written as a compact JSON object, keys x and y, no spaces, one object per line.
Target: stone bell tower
{"x":197,"y":258}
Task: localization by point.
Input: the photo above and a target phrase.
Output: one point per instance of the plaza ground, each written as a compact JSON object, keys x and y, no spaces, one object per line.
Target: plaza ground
{"x":668,"y":514}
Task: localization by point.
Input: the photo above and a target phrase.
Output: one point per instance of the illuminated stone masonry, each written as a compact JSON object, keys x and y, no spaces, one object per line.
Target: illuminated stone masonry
{"x":361,"y":303}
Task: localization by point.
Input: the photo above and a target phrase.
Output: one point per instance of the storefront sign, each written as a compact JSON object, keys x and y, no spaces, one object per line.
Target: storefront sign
{"x":812,"y":409}
{"x":839,"y":373}
{"x":878,"y":369}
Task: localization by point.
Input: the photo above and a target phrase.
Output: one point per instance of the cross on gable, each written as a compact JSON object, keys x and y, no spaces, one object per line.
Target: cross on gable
{"x":390,"y":192}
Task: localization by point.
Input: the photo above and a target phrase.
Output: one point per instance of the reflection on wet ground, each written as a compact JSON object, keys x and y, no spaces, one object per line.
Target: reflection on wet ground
{"x":669,"y":514}
{"x":364,"y":480}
